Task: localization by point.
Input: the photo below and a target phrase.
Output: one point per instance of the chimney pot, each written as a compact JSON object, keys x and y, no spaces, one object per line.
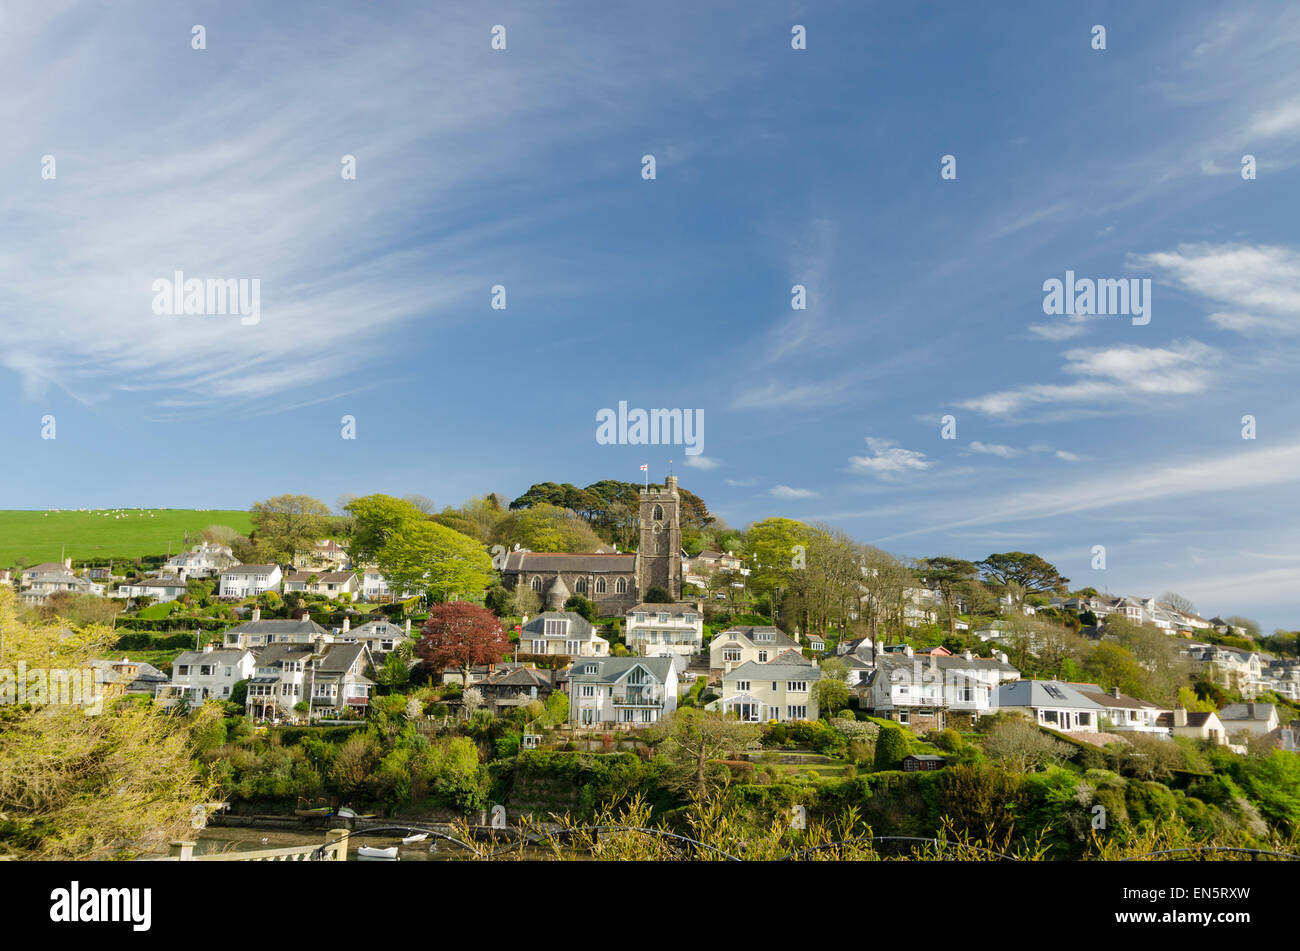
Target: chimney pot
{"x":257,"y":614}
{"x":1114,"y":692}
{"x":347,"y":624}
{"x":408,"y":627}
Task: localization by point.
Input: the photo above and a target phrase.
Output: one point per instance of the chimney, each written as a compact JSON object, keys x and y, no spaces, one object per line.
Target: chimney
{"x":257,"y":614}
{"x":907,"y":650}
{"x":934,"y":660}
{"x":1114,"y":692}
{"x":1180,"y":715}
{"x":967,"y":654}
{"x":1250,"y":710}
{"x":408,"y":627}
{"x":207,"y":648}
{"x":67,"y":563}
{"x":347,"y":624}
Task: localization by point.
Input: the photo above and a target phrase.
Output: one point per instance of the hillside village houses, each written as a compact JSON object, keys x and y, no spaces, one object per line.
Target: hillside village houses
{"x":763,"y":672}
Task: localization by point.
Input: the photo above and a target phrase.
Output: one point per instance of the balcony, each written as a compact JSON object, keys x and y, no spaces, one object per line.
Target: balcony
{"x":645,"y":698}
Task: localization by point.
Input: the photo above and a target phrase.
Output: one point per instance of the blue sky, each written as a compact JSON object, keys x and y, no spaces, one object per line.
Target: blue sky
{"x":775,"y":167}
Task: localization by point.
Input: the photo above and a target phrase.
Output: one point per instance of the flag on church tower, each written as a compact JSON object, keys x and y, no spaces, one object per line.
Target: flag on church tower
{"x":645,"y":468}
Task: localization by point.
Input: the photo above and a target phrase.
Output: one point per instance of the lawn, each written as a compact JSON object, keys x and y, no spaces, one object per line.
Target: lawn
{"x":36,"y":537}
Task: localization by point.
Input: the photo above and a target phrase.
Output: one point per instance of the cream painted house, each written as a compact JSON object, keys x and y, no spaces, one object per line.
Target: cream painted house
{"x":562,"y":632}
{"x":780,"y":691}
{"x":743,"y":645}
{"x":621,"y":691}
{"x":654,"y":630}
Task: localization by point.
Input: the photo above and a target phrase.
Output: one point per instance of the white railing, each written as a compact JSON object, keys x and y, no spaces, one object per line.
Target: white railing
{"x":335,"y":850}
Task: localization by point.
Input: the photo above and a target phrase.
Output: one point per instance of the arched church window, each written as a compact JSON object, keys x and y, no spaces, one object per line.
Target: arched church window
{"x":600,"y":585}
{"x":537,"y":584}
{"x":580,"y":586}
{"x":658,"y":513}
{"x":620,"y":586}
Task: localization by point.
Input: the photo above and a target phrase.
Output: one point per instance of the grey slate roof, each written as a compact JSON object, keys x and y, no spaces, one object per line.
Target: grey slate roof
{"x":610,"y":669}
{"x":1124,"y":702}
{"x":1039,"y":693}
{"x":779,"y":637}
{"x":1243,"y":711}
{"x":752,"y":670}
{"x":560,"y":561}
{"x":677,"y":609}
{"x":279,"y":626}
{"x":580,"y":629}
{"x":250,"y":570}
{"x":228,"y":655}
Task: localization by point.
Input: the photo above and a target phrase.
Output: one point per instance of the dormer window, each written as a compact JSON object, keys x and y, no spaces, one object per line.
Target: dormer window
{"x":556,"y":627}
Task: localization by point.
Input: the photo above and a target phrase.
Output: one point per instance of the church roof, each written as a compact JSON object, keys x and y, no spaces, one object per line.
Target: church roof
{"x":545,"y":561}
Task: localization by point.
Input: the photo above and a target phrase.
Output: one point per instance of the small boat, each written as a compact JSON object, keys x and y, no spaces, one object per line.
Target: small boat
{"x":370,"y":852}
{"x":412,"y":839}
{"x":345,"y":813}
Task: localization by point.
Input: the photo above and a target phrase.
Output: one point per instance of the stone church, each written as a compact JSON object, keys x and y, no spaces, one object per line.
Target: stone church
{"x":615,"y":582}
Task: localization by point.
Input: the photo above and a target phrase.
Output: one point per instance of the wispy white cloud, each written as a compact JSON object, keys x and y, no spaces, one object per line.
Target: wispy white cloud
{"x":1111,"y":374}
{"x":1257,"y":286}
{"x":701,"y":462}
{"x":788,"y":492}
{"x":887,"y":460}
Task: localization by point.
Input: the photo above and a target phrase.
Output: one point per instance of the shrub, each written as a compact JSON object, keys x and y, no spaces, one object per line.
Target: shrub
{"x":891,"y":747}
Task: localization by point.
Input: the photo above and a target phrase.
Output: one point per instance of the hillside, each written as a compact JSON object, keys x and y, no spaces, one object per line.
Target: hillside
{"x":36,"y":537}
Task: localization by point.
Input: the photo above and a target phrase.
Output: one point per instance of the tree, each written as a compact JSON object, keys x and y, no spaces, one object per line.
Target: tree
{"x":377,"y":520}
{"x":656,"y":594}
{"x":692,"y":741}
{"x":950,"y":577}
{"x":1178,"y":602}
{"x":832,"y":696}
{"x":434,"y":560}
{"x":891,"y":747}
{"x":288,"y":524}
{"x":1033,"y":574}
{"x":76,"y":786}
{"x":461,"y":635}
{"x":1021,"y":746}
{"x":582,"y":606}
{"x":547,"y":527}
{"x":1250,"y":627}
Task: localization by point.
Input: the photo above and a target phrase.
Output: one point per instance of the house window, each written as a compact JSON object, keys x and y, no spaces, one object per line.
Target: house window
{"x":742,"y":686}
{"x":640,"y":617}
{"x":572,"y":647}
{"x":797,"y":686}
{"x":731,"y":653}
{"x":588,"y":690}
{"x":797,"y":712}
{"x":556,"y":628}
{"x":600,"y":585}
{"x":1084,"y":719}
{"x":620,"y":586}
{"x":183,"y":670}
{"x":663,"y":618}
{"x":904,"y":717}
{"x":1049,"y":716}
{"x":689,"y":618}
{"x":539,"y":647}
{"x":762,"y":657}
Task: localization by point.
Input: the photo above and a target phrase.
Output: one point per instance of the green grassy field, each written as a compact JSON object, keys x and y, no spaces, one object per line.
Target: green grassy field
{"x":37,"y":537}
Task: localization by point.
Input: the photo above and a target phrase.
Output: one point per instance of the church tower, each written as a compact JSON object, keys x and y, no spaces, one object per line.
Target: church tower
{"x":659,"y":556}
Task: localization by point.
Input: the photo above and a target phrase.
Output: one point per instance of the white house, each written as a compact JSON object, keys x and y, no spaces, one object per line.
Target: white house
{"x":1053,"y":704}
{"x":656,"y":629}
{"x":327,"y":553}
{"x":202,"y":561}
{"x":243,"y":581}
{"x":331,"y":584}
{"x":161,"y":588}
{"x":562,"y":632}
{"x":926,"y":692}
{"x":380,"y":637}
{"x":775,"y":690}
{"x":1123,"y":714}
{"x":257,"y":633}
{"x":41,"y":581}
{"x":1194,"y":725}
{"x":621,"y":691}
{"x":735,"y":646}
{"x":211,"y":672}
{"x":328,"y":677}
{"x":1253,"y":718}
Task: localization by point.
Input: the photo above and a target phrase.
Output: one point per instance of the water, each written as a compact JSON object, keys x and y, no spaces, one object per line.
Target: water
{"x":220,"y":839}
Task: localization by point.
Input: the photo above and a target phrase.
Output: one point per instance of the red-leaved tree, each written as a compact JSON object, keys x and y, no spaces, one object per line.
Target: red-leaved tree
{"x":462,"y":635}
